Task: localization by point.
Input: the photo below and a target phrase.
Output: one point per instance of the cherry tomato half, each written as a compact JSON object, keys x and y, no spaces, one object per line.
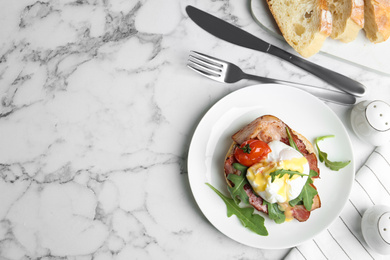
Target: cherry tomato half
{"x":251,"y":152}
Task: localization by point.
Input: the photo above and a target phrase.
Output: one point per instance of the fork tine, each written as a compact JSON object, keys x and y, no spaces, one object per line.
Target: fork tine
{"x":208,"y":66}
{"x":205,"y":66}
{"x":203,"y":63}
{"x":211,"y":60}
{"x":204,"y":71}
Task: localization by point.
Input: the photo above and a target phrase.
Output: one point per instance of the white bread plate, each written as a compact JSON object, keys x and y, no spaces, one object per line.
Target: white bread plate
{"x":360,"y":52}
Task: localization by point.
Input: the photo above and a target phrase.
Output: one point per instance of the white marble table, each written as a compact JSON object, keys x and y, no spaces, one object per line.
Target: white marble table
{"x":97,"y":112}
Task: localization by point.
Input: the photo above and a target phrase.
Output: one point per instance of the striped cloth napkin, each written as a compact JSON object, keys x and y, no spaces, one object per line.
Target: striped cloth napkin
{"x":343,"y":239}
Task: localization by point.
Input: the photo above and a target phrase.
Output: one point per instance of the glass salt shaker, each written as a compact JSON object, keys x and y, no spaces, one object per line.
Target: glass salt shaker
{"x":371,"y":122}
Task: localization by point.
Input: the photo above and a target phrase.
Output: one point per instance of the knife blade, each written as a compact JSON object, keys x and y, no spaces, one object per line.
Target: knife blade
{"x":230,"y":33}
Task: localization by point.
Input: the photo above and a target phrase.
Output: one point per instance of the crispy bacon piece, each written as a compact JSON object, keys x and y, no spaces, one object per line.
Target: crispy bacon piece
{"x":229,"y":165}
{"x":300,"y":213}
{"x":254,"y":200}
{"x":266,"y":128}
{"x":313,"y":163}
{"x":230,"y":169}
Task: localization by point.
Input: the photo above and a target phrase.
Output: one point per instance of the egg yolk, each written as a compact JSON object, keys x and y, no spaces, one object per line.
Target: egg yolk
{"x":259,"y":175}
{"x":294,"y":164}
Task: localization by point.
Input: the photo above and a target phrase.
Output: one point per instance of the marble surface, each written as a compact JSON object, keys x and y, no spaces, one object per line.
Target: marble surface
{"x":97,"y":112}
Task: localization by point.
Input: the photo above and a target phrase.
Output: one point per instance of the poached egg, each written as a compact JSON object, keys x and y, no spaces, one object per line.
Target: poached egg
{"x":282,"y":189}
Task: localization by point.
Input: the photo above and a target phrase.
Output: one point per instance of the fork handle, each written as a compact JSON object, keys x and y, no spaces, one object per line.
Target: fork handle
{"x":337,"y":97}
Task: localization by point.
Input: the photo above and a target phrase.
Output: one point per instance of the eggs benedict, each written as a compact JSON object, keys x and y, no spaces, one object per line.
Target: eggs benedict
{"x":277,"y":166}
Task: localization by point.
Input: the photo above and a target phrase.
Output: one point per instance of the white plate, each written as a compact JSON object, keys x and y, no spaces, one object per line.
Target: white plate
{"x":302,"y":112}
{"x":360,"y":52}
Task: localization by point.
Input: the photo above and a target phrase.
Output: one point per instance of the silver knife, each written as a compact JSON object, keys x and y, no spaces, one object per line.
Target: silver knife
{"x":235,"y":35}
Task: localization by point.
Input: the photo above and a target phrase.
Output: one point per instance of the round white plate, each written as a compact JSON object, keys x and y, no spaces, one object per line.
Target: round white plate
{"x":302,"y":112}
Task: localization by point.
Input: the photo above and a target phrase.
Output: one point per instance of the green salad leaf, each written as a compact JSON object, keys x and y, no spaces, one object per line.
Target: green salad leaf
{"x":281,"y":172}
{"x":240,"y":167}
{"x":238,"y":193}
{"x":333,"y":165}
{"x":253,"y":222}
{"x":307,"y":194}
{"x":291,"y":141}
{"x":275,"y":213}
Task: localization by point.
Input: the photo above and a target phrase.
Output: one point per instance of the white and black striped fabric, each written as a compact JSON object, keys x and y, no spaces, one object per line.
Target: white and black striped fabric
{"x":344,"y":238}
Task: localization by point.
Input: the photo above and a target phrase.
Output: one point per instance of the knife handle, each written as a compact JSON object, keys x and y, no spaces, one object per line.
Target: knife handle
{"x":337,"y":80}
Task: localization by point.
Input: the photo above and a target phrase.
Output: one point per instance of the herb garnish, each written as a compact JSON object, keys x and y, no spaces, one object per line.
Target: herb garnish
{"x":237,"y":191}
{"x":281,"y":172}
{"x":333,"y":165}
{"x":291,"y":141}
{"x":249,"y":220}
{"x":240,"y":167}
{"x":275,"y":213}
{"x":307,"y":194}
{"x":247,"y":149}
{"x":254,"y":222}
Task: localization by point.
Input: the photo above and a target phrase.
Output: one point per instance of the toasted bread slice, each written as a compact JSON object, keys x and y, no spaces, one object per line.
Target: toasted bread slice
{"x":348,"y":19}
{"x":305,"y":24}
{"x":377,"y":20}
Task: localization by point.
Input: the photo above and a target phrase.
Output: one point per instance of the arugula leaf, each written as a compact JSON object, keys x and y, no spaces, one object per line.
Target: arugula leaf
{"x":333,"y":165}
{"x":238,"y":192}
{"x":312,"y":174}
{"x":281,"y":172}
{"x":275,"y":213}
{"x":307,"y":194}
{"x":291,"y":141}
{"x":240,"y":167}
{"x":295,"y":201}
{"x":253,"y":222}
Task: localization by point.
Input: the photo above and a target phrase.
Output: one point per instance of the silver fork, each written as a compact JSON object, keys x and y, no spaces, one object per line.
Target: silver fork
{"x":227,"y":72}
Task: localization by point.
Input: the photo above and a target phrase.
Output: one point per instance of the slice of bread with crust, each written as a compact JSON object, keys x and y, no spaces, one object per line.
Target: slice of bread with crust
{"x":377,"y":20}
{"x":305,"y":24}
{"x":348,"y":19}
